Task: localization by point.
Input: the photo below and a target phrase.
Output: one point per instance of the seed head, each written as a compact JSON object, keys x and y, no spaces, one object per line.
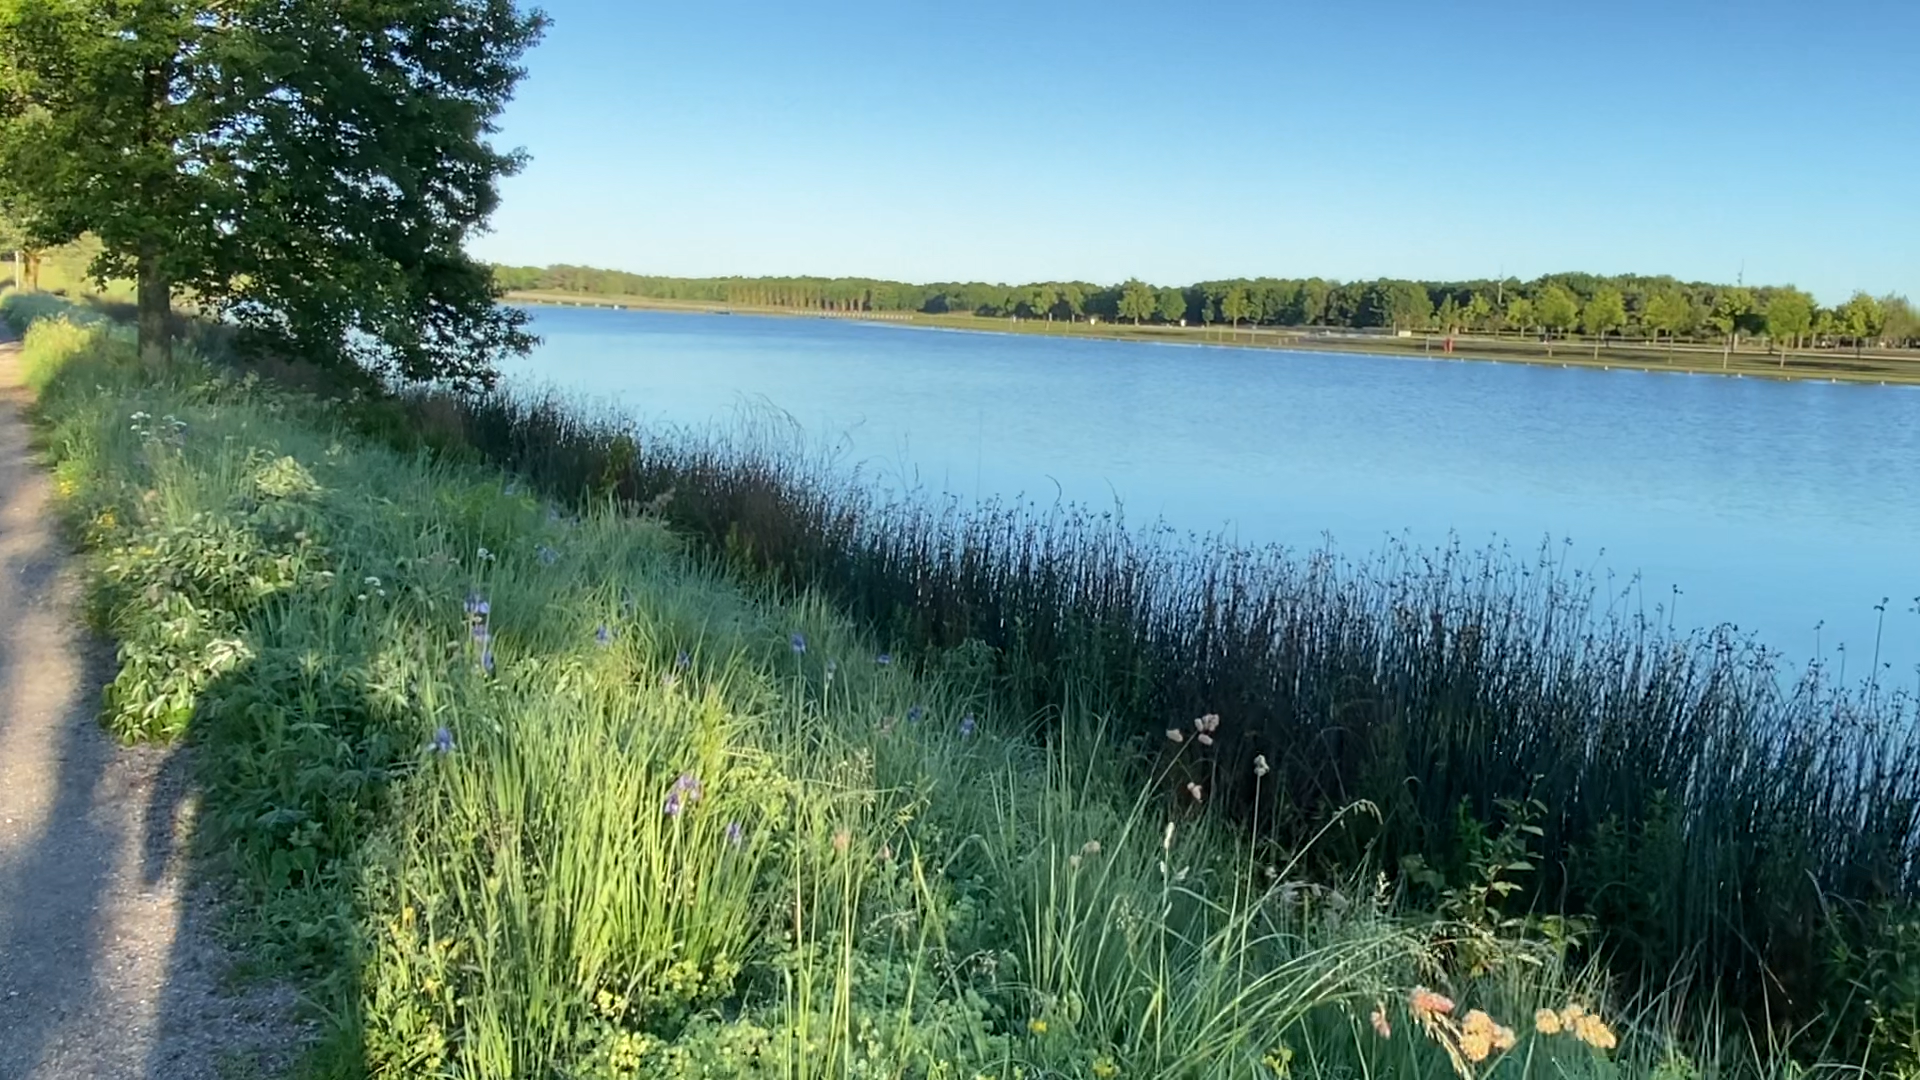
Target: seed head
{"x":1260,"y":765}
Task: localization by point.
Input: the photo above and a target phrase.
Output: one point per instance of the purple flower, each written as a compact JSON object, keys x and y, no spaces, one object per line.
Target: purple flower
{"x":683,"y":661}
{"x":885,"y":659}
{"x":966,"y":726}
{"x":486,"y":659}
{"x":799,"y":643}
{"x":685,"y":792}
{"x":914,"y":714}
{"x":481,"y":634}
{"x":603,"y":635}
{"x":736,"y":835}
{"x":442,"y":741}
{"x":477,"y":606}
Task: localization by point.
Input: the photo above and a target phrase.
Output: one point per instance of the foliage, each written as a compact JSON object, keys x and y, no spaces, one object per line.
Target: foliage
{"x":532,"y":794}
{"x":201,"y":143}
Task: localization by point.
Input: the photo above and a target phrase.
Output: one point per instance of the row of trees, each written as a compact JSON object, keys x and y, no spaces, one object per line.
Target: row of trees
{"x":1555,"y":305}
{"x":312,"y":169}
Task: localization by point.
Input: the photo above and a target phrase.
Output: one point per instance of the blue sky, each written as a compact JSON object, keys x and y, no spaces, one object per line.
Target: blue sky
{"x":1003,"y":141}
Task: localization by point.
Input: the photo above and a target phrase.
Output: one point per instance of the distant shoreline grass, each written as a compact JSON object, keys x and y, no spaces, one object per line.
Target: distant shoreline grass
{"x":1835,"y":365}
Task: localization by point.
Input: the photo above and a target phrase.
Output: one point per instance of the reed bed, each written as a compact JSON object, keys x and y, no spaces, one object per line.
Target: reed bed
{"x":1705,"y":813}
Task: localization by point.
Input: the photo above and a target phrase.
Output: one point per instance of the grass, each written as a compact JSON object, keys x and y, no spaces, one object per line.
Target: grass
{"x":1694,"y":358}
{"x":538,"y":790}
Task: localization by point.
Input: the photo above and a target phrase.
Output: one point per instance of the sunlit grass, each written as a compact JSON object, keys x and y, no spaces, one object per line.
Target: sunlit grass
{"x":535,"y":790}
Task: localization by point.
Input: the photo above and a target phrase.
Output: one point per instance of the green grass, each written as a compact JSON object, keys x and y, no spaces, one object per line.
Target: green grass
{"x":475,"y":830}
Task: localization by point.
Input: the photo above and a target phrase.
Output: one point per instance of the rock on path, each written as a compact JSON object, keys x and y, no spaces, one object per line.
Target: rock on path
{"x":108,"y":966}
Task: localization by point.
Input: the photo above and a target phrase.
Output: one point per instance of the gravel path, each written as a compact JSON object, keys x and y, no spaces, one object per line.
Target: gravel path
{"x":108,"y":966}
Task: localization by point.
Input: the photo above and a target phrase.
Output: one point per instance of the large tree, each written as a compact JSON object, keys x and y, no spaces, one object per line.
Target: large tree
{"x":1603,"y":314}
{"x":1861,"y":318}
{"x":1556,"y":308}
{"x":311,"y":167}
{"x":1789,"y":315}
{"x":1137,"y":301}
{"x":1173,"y":305}
{"x":1668,"y":312}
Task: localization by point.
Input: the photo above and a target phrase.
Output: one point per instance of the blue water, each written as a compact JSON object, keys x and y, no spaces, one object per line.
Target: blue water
{"x":1787,"y":509}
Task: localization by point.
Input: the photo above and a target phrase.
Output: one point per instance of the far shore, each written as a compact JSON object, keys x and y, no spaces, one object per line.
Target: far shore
{"x":1693,"y":357}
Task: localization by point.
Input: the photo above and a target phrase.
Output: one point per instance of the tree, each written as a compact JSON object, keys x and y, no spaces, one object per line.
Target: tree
{"x":1730,"y":309}
{"x":1235,"y":306}
{"x":1173,"y":305}
{"x":1789,"y":315}
{"x":1861,"y":317}
{"x":1666,"y":311}
{"x":1479,"y":311}
{"x":1520,"y":314}
{"x":1075,"y":299}
{"x":1603,"y":314}
{"x":1136,"y":300}
{"x":1041,"y":299}
{"x":311,"y":168}
{"x":1447,"y":316}
{"x":1899,"y":323}
{"x":1556,"y":309}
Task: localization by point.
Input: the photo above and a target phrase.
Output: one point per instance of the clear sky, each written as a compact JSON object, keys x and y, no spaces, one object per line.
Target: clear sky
{"x":1033,"y":141}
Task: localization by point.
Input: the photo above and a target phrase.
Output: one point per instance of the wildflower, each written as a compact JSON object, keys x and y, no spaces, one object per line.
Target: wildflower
{"x":842,"y":840}
{"x":1104,"y":1068}
{"x":1073,"y":862}
{"x":362,"y":598}
{"x":1590,"y":1030}
{"x":1037,"y":1026}
{"x":1207,"y":723}
{"x":603,"y":635}
{"x":914,"y":714}
{"x":885,"y":659}
{"x":1426,"y":1004}
{"x":1475,"y":1045}
{"x":481,"y":634}
{"x":886,"y":853}
{"x":1381,"y":1025}
{"x":1091,"y":847}
{"x":546,"y":555}
{"x":683,"y":661}
{"x":1174,"y":734}
{"x":1480,"y":1036}
{"x":799,"y":643}
{"x":1279,"y":1060}
{"x":442,"y":741}
{"x":1195,"y":791}
{"x":1260,"y":765}
{"x":486,"y":659}
{"x":966,"y":726}
{"x":1203,"y":739}
{"x":736,"y":836}
{"x":477,"y":605}
{"x":1546,"y":1022}
{"x":1166,"y":841}
{"x":484,"y":555}
{"x":685,"y":792}
{"x":371,"y":582}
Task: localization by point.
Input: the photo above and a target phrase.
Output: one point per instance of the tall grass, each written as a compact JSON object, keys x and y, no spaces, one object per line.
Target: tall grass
{"x":1708,"y":811}
{"x":535,"y":794}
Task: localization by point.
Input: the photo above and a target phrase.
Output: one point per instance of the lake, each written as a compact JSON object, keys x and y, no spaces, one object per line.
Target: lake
{"x":1788,"y":509}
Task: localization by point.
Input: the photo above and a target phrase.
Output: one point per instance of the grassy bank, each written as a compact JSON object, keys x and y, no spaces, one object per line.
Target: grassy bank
{"x":541,"y":790}
{"x":1893,"y":367}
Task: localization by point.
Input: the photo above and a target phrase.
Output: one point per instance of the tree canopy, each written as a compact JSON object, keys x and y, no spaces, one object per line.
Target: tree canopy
{"x":1649,"y":306}
{"x":312,"y":168}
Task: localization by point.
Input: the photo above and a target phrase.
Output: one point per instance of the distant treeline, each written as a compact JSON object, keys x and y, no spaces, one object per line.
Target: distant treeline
{"x":1556,"y":304}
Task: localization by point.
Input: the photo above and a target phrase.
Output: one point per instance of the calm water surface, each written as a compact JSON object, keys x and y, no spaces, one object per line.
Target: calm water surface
{"x":1787,"y":509}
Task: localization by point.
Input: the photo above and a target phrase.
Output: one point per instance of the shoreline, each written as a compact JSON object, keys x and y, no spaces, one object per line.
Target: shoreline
{"x":1872,"y":368}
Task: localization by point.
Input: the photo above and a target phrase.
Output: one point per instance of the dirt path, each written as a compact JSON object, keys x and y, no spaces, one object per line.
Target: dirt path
{"x":108,"y":968}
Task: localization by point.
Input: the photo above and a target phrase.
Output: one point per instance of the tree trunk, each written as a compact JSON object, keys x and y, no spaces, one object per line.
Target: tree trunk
{"x":155,"y":295}
{"x":19,"y":269}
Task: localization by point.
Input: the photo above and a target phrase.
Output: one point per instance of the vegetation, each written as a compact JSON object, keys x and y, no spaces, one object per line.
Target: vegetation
{"x":1646,"y":307}
{"x":311,"y":170}
{"x":535,"y":794}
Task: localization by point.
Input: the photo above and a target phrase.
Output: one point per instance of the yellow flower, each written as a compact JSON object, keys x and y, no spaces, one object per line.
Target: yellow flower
{"x":1476,"y":1045}
{"x":1104,"y":1068}
{"x":1546,"y":1022}
{"x":1279,"y":1060}
{"x":1590,"y":1030}
{"x":1037,"y":1026}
